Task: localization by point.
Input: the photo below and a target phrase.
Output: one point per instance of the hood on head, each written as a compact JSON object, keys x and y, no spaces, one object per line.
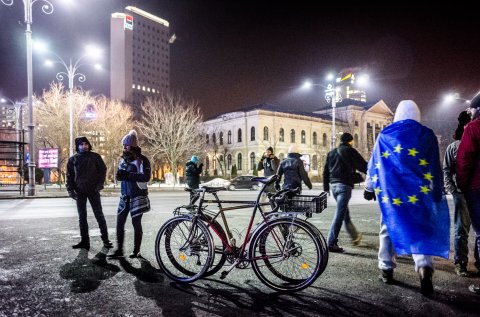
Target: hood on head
{"x":407,"y":109}
{"x":79,"y":140}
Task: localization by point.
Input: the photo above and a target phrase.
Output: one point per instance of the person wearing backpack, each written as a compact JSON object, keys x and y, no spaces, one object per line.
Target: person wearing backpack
{"x":339,"y":175}
{"x":86,"y":174}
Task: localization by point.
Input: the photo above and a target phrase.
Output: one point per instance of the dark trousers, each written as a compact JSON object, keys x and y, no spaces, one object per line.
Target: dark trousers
{"x":137,"y":230}
{"x":473,"y":202}
{"x":94,"y":199}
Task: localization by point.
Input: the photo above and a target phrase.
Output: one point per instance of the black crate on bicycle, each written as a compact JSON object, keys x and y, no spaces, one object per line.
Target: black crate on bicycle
{"x":305,"y":203}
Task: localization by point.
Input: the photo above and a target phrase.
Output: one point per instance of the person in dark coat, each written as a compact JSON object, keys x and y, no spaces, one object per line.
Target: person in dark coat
{"x":294,"y":170}
{"x":134,"y":171}
{"x":269,"y":164}
{"x":340,"y":166}
{"x":193,"y":170}
{"x":461,"y":215}
{"x":468,"y":175}
{"x":86,"y":174}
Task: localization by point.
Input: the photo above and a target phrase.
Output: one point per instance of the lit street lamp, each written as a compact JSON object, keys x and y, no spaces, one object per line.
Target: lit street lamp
{"x":71,"y":72}
{"x":454,"y":96}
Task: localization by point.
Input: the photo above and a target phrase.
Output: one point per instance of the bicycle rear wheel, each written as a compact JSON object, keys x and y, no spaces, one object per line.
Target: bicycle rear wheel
{"x":219,"y":236}
{"x":184,"y":249}
{"x":287,"y":254}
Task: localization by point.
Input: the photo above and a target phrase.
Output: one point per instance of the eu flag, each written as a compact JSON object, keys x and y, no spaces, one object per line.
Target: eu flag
{"x":406,"y":175}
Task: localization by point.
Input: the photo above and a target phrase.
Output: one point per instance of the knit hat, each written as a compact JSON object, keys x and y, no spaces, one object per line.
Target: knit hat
{"x":293,"y":149}
{"x":270,"y":149}
{"x":407,"y":109}
{"x":475,"y":102}
{"x":194,"y":159}
{"x":346,"y":137}
{"x":130,"y":139}
{"x":79,"y":140}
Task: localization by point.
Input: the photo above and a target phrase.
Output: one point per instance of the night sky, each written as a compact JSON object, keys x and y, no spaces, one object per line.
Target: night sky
{"x":233,"y":54}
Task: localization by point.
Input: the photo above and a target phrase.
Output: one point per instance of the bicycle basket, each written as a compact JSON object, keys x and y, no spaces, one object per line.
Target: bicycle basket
{"x":305,"y":203}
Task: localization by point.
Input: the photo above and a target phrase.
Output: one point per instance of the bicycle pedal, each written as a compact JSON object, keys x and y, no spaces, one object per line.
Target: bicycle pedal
{"x":223,"y":275}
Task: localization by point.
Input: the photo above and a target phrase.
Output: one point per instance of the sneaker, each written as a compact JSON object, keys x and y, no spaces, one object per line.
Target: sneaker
{"x":82,"y":245}
{"x":356,"y":241}
{"x":335,"y":249}
{"x":386,"y":276}
{"x":134,"y":255}
{"x":474,"y":288}
{"x":107,"y":244}
{"x":461,"y":270}
{"x":117,"y":254}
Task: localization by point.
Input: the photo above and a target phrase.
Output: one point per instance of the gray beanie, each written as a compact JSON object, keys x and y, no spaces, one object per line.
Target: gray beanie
{"x":130,"y":139}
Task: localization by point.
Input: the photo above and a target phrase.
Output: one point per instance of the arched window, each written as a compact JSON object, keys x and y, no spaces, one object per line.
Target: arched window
{"x":324,"y":139}
{"x":221,"y":138}
{"x":303,"y":137}
{"x":221,"y":158}
{"x":229,"y":137}
{"x":214,"y":138}
{"x":292,"y":136}
{"x":355,"y":140}
{"x":207,"y":163}
{"x":281,"y":137}
{"x":252,"y":134}
{"x":239,"y":162}
{"x":229,"y":162}
{"x":265,"y":133}
{"x":207,"y":139}
{"x":239,"y":136}
{"x":252,"y":160}
{"x":314,"y":138}
{"x":314,"y":163}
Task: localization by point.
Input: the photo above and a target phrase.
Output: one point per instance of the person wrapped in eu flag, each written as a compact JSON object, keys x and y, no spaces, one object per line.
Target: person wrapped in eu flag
{"x":405,"y":174}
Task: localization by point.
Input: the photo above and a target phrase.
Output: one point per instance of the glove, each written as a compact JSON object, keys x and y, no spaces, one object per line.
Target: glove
{"x":122,"y":175}
{"x":277,"y":186}
{"x":72,"y":194}
{"x":368,"y":195}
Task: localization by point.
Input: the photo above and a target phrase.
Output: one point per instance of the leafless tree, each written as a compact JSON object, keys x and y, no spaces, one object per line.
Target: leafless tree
{"x":171,"y":125}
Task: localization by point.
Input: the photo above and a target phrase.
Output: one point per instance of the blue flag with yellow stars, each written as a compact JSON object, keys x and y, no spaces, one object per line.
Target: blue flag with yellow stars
{"x":407,"y":178}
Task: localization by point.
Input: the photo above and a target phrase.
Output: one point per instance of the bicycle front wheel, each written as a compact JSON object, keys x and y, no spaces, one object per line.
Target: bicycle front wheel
{"x":287,"y":254}
{"x":184,"y":249}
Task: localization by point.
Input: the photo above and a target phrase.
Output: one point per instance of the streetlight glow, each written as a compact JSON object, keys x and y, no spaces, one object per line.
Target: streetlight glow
{"x":47,"y":8}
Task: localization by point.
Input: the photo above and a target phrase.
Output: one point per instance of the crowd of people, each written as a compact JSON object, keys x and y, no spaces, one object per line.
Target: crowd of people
{"x":404,"y":174}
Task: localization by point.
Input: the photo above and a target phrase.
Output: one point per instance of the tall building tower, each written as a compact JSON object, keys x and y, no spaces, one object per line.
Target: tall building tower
{"x":139,"y":56}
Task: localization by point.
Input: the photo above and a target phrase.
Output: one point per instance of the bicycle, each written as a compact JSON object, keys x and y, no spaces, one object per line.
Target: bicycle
{"x":286,"y":253}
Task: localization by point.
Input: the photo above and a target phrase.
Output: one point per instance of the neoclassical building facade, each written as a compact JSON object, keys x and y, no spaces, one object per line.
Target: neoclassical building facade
{"x":240,"y":138}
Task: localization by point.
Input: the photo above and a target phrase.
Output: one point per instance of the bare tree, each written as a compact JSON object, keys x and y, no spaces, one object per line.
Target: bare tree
{"x":113,"y":120}
{"x":171,"y":126}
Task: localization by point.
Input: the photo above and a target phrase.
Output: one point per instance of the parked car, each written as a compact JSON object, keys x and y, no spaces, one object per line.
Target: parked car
{"x":216,"y":182}
{"x":243,"y":182}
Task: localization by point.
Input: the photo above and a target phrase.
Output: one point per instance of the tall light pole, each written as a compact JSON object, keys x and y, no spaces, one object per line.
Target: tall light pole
{"x":333,"y":96}
{"x":71,"y":72}
{"x":47,"y":8}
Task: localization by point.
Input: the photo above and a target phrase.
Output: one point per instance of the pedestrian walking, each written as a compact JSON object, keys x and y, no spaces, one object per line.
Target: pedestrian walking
{"x":339,"y":176}
{"x":461,"y":216}
{"x":134,"y":172}
{"x":294,"y":170}
{"x":404,"y":171}
{"x":468,"y":175}
{"x":86,"y":174}
{"x":193,"y":170}
{"x":269,"y":164}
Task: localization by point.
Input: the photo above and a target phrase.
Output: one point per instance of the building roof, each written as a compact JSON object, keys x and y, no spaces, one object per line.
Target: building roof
{"x":351,"y":102}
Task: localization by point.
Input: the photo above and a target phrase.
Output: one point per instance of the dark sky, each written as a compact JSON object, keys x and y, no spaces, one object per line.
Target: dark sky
{"x":232,"y":54}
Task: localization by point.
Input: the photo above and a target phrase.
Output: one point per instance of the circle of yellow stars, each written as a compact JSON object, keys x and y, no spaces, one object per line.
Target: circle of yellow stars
{"x":412,"y":199}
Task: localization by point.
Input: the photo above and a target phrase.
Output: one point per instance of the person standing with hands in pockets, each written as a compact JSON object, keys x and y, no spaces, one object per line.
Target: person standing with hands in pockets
{"x":134,"y":172}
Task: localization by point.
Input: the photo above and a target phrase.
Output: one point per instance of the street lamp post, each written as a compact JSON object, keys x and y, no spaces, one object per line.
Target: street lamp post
{"x":47,"y":8}
{"x":71,"y":72}
{"x":333,"y":96}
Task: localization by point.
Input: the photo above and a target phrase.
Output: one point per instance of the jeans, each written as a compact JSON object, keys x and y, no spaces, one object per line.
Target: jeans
{"x":137,"y":230}
{"x":94,"y":199}
{"x":473,"y":201}
{"x":387,"y":258}
{"x":342,"y":194}
{"x":461,"y":230}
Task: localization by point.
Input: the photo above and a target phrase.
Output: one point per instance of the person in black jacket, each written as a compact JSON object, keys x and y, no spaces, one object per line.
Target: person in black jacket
{"x":86,"y":174}
{"x":269,"y":164}
{"x":340,"y":166}
{"x":192,"y":173}
{"x":294,"y":171}
{"x":134,"y":171}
